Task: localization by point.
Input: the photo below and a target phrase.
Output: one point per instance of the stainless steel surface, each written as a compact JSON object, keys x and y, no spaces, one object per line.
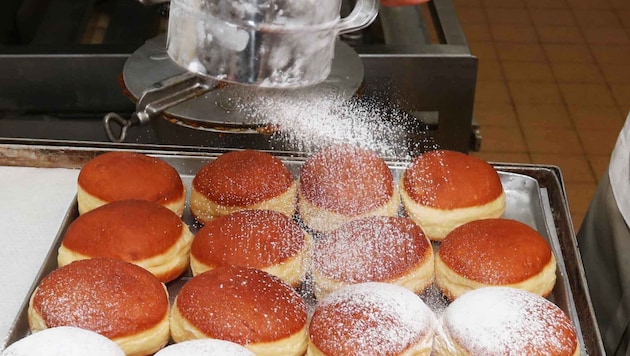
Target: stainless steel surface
{"x":286,"y":44}
{"x":219,"y":108}
{"x":523,"y":185}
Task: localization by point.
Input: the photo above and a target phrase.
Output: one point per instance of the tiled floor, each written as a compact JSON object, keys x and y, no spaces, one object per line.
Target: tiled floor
{"x":553,"y":84}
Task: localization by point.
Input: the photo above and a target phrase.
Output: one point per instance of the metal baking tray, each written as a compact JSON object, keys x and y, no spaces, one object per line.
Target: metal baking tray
{"x":535,"y":196}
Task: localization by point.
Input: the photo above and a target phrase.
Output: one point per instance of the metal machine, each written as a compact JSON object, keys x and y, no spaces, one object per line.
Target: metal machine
{"x":60,"y":75}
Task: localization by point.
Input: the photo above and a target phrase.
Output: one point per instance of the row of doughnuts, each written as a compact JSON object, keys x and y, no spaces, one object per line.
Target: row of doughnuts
{"x":481,"y":253}
{"x":130,"y":306}
{"x":440,"y":189}
{"x":74,"y":341}
{"x":259,"y":311}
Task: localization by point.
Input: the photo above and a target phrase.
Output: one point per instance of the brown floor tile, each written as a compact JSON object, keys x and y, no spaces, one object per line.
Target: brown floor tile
{"x":508,"y":16}
{"x":513,"y":33}
{"x":528,"y":71}
{"x":559,"y":34}
{"x":552,"y":17}
{"x":503,"y":139}
{"x":586,"y":94}
{"x":484,"y":50}
{"x":606,"y":36}
{"x":503,"y":3}
{"x":621,"y":92}
{"x":624,"y":16}
{"x":616,"y":73}
{"x":520,"y":52}
{"x":599,"y":165}
{"x":616,"y":54}
{"x":567,"y":53}
{"x":466,"y":3}
{"x":489,"y":71}
{"x":491,"y":92}
{"x":577,"y":73}
{"x":620,"y":4}
{"x":534,"y":93}
{"x":552,"y":140}
{"x":477,"y":32}
{"x":589,"y":4}
{"x":543,"y":115}
{"x":495,"y":114}
{"x":471,"y":15}
{"x":596,"y":116}
{"x":501,"y":157}
{"x":598,"y":141}
{"x":575,"y":168}
{"x":596,"y":18}
{"x":546,"y":4}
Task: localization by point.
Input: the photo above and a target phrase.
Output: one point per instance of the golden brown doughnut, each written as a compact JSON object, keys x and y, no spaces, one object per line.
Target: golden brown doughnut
{"x":124,"y":175}
{"x":263,"y":239}
{"x":114,"y":298}
{"x":137,"y":231}
{"x":242,"y":180}
{"x":504,"y":321}
{"x":371,"y":319}
{"x":443,"y":189}
{"x":373,"y":249}
{"x":494,"y":252}
{"x":345,"y":182}
{"x":243,"y":305}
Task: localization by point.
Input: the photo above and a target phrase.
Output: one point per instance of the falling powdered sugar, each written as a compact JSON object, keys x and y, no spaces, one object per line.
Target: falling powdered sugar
{"x":315,"y":120}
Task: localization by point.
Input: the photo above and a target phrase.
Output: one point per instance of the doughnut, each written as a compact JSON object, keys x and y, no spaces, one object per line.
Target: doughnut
{"x":205,"y":347}
{"x":241,"y":180}
{"x":124,"y":175}
{"x":443,"y":189}
{"x":373,"y":249}
{"x":262,"y":239}
{"x":504,"y":321}
{"x":344,"y":182}
{"x":494,"y":252}
{"x":371,"y":318}
{"x":112,"y":297}
{"x":137,"y":231}
{"x":64,"y":341}
{"x":243,"y":305}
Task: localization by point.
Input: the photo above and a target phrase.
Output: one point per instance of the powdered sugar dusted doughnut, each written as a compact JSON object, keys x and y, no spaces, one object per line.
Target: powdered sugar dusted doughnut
{"x":64,"y":341}
{"x":138,"y":231}
{"x":344,"y":182}
{"x":112,"y":297}
{"x":373,"y":249}
{"x":371,"y":319}
{"x":241,"y":180}
{"x":443,"y":189}
{"x":504,"y":321}
{"x":263,"y":239}
{"x":205,"y":347}
{"x":124,"y":175}
{"x":494,"y":252}
{"x":243,"y":305}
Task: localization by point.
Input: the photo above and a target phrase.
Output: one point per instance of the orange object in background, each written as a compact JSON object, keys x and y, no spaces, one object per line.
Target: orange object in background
{"x":402,"y":2}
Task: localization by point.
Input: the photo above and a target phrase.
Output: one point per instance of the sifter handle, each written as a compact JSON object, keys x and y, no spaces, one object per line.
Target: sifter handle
{"x":363,"y":14}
